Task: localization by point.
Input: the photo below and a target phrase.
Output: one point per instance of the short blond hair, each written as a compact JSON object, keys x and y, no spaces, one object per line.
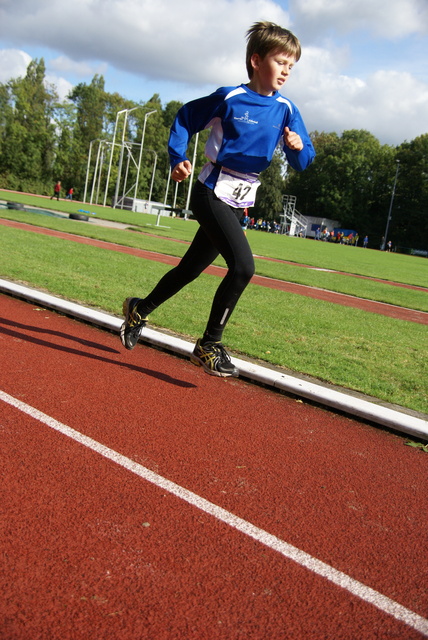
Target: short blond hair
{"x":265,"y":37}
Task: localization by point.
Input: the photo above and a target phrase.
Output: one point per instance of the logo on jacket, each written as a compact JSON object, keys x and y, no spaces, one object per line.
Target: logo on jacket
{"x":246,"y":118}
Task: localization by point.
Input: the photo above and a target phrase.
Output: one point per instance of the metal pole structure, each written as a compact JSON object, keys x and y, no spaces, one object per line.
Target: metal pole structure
{"x":390,"y":207}
{"x":119,"y":171}
{"x":141,"y":152}
{"x":193,"y":170}
{"x":94,"y":179}
{"x":119,"y":174}
{"x":87,"y":170}
{"x":88,"y":167}
{"x":175,"y":195}
{"x":153,"y":175}
{"x":126,"y":176}
{"x":102,"y":144}
{"x":167,"y":185}
{"x":111,"y":155}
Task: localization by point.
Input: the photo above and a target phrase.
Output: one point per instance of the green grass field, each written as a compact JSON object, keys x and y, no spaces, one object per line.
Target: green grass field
{"x":366,"y":352}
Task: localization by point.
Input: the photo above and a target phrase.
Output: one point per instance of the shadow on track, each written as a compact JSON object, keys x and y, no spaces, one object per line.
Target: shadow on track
{"x":44,"y":343}
{"x":60,"y":334}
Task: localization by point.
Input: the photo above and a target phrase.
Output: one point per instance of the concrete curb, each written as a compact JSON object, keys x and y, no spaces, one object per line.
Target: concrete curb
{"x":357,"y":407}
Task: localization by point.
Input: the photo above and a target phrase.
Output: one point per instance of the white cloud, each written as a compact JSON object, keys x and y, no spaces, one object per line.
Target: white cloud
{"x":185,"y":49}
{"x":61,"y":85}
{"x":390,"y":104}
{"x":400,"y":105}
{"x":179,"y":41}
{"x":390,"y":19}
{"x":13,"y":64}
{"x":63,"y":64}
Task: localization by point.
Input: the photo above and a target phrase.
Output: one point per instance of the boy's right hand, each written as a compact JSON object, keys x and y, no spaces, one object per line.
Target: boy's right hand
{"x":292,"y":140}
{"x":181,"y":171}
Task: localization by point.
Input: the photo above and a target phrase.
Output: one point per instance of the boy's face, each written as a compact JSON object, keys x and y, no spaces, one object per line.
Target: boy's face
{"x":272,"y":71}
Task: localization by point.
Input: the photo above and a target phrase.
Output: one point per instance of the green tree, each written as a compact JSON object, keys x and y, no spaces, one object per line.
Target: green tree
{"x":154,"y":149}
{"x":269,"y":195}
{"x":65,"y":143}
{"x":170,"y":111}
{"x":315,"y":188}
{"x":6,"y":117}
{"x":90,"y":105}
{"x":348,"y":181}
{"x":351,"y":179}
{"x":27,"y":130}
{"x":90,"y":102}
{"x":409,"y":223}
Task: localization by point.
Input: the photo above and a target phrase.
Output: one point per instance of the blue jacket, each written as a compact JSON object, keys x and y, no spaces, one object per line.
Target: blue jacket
{"x":246,"y":128}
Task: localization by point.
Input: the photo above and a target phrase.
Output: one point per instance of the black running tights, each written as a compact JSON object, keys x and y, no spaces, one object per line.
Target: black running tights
{"x":220,"y":232}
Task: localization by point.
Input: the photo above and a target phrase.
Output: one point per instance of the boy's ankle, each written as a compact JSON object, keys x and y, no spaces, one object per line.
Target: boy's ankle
{"x":206,"y":339}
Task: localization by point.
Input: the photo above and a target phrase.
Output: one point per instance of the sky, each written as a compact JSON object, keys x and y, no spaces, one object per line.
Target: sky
{"x":364,"y":63}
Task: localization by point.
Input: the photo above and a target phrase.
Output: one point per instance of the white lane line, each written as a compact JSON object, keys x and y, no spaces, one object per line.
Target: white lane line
{"x":302,"y":558}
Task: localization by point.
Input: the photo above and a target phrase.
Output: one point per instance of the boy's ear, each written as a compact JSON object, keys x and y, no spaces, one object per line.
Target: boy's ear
{"x":255,"y":61}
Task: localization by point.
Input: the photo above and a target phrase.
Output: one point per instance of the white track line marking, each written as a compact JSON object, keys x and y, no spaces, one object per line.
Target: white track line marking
{"x":302,"y":558}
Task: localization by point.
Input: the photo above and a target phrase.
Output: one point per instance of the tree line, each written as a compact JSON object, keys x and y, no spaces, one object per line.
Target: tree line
{"x":43,"y":140}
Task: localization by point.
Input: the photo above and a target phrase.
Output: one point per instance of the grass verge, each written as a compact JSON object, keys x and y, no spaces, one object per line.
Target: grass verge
{"x":379,"y":356}
{"x":332,"y":281}
{"x":323,"y":255}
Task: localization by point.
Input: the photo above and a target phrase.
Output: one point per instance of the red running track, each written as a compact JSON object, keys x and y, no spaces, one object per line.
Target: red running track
{"x":101,"y":538}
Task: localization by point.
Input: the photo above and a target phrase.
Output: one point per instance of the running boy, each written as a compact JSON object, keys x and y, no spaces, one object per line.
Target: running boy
{"x":247,"y":123}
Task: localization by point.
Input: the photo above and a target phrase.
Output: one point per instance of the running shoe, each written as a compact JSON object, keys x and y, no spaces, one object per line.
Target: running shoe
{"x":131,"y":329}
{"x":215,"y":360}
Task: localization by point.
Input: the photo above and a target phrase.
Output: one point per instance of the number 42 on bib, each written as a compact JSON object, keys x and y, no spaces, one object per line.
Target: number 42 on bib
{"x":237,"y":189}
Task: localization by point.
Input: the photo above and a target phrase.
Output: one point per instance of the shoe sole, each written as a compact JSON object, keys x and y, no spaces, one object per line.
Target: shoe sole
{"x":125,"y":311}
{"x":122,"y":336}
{"x":219,"y":374}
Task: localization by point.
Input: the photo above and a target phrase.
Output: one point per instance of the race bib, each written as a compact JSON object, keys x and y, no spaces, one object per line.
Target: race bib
{"x":237,"y":189}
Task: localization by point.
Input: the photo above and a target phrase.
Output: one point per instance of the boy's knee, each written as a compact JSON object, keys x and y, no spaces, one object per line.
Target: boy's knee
{"x":250,"y":271}
{"x":244,"y":272}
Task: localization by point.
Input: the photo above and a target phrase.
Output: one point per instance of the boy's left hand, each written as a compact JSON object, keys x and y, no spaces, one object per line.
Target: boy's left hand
{"x":181,"y":171}
{"x":292,"y":140}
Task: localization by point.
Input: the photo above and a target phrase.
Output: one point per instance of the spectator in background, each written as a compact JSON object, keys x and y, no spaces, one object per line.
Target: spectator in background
{"x":69,"y":195}
{"x":57,"y":190}
{"x":245,"y":220}
{"x":365,"y":242}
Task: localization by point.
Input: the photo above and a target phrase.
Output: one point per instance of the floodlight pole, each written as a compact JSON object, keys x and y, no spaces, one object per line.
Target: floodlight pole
{"x":174,"y":202}
{"x":111,"y":154}
{"x":153,"y":175}
{"x":87,"y":170}
{"x":141,"y":152}
{"x":167,"y":185}
{"x":193,"y":170}
{"x":390,"y":207}
{"x":102,"y":144}
{"x":95,"y":173}
{"x":119,"y":173}
{"x":126,"y":176}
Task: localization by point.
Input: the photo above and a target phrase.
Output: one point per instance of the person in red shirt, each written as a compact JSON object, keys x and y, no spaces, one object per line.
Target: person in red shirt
{"x":57,"y":190}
